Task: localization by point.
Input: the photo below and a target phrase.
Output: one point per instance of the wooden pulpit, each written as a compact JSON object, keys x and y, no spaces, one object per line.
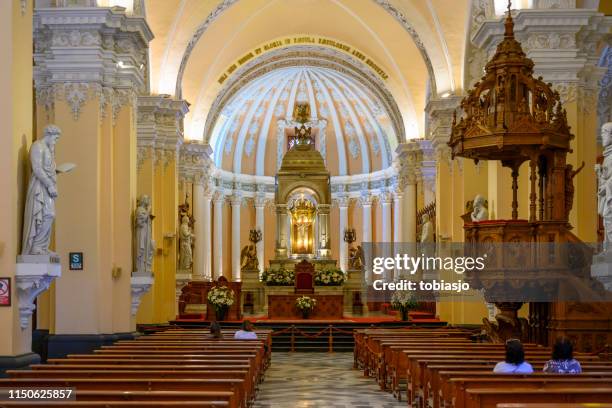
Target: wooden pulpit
{"x":196,"y":293}
{"x":304,"y":277}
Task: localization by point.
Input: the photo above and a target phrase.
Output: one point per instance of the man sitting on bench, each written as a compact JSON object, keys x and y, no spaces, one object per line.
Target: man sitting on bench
{"x":246,"y":333}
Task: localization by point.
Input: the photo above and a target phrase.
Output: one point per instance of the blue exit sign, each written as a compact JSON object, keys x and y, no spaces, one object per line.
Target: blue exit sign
{"x":76,"y":261}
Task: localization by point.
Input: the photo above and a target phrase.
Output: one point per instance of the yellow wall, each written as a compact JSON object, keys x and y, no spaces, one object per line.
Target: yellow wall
{"x":16,"y":130}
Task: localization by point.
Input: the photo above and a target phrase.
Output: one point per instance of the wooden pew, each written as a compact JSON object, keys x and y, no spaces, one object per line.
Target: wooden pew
{"x":117,"y":404}
{"x":490,"y":398}
{"x":236,"y":386}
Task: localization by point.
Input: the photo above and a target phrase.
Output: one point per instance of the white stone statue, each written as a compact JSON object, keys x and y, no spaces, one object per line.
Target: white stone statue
{"x":604,"y":183}
{"x":39,"y":211}
{"x":145,"y":245}
{"x":185,"y":239}
{"x":427,"y":233}
{"x":480,"y":212}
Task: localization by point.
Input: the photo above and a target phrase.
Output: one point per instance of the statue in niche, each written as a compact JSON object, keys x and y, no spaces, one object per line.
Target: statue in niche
{"x":604,"y":183}
{"x":39,"y":212}
{"x":145,"y":245}
{"x":570,"y":173}
{"x":186,"y":238}
{"x":427,"y":232}
{"x":479,"y":210}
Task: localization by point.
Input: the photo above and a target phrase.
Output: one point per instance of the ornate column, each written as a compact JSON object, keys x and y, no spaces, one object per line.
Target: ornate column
{"x":427,"y":171}
{"x":366,"y":236}
{"x":386,"y":198}
{"x":567,"y":57}
{"x":260,"y":205}
{"x":281,"y":231}
{"x":343,"y":204}
{"x":323,"y":228}
{"x":398,"y":210}
{"x":448,"y":205}
{"x":194,"y":170}
{"x":236,"y":202}
{"x":159,"y":171}
{"x":406,"y":163}
{"x":218,"y":200}
{"x":89,"y":66}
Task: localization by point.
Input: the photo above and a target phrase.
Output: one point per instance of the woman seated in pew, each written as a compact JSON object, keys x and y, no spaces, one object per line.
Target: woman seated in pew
{"x":215,"y":330}
{"x":563,"y":361}
{"x":246,"y":332}
{"x":515,"y":360}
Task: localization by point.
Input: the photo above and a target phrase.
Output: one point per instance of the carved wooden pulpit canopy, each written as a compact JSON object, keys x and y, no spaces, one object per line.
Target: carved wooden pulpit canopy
{"x":304,"y":277}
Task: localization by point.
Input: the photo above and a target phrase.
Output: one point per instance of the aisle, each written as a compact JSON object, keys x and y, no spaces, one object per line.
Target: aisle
{"x":320,"y":380}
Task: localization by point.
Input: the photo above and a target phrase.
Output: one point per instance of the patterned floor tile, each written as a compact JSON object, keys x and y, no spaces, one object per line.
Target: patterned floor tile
{"x":319,"y":380}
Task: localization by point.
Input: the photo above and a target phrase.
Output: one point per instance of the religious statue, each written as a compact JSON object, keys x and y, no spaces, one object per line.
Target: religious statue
{"x":356,"y":258}
{"x":570,"y":173}
{"x":39,"y":212}
{"x":427,"y":232}
{"x":479,"y":211}
{"x":604,"y":183}
{"x":186,"y":244}
{"x":145,"y":245}
{"x":248,"y":258}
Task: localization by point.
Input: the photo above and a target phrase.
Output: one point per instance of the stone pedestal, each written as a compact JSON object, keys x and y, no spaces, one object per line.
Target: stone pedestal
{"x":354,"y":285}
{"x":252,"y":292}
{"x":141,"y":284}
{"x":33,"y":275}
{"x":601,"y":269}
{"x":183,"y":277}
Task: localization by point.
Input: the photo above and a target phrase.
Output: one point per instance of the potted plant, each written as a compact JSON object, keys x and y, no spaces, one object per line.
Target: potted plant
{"x":221,"y":297}
{"x":404,"y":302}
{"x":306,"y":305}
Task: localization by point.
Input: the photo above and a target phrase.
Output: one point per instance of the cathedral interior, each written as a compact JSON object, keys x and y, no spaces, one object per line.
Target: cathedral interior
{"x":166,"y":164}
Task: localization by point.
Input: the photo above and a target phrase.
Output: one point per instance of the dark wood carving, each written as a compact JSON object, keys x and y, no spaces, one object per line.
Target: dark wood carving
{"x":196,"y":293}
{"x":304,"y":277}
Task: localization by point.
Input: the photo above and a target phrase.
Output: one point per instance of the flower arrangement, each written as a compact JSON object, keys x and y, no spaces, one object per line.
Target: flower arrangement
{"x":281,"y":277}
{"x":404,"y":301}
{"x":221,"y":297}
{"x":306,"y":305}
{"x":329,"y":277}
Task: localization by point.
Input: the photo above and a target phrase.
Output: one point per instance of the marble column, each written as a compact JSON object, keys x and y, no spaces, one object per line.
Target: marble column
{"x":343,"y":204}
{"x":281,"y":231}
{"x":198,"y":229}
{"x":218,"y":200}
{"x":206,"y":238}
{"x":323,"y":229}
{"x":366,"y":204}
{"x":260,"y":205}
{"x":236,"y":202}
{"x":398,"y":205}
{"x":409,"y":215}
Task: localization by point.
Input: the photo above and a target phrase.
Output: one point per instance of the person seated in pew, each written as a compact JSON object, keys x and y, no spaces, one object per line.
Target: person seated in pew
{"x":246,"y":332}
{"x":563,"y":361}
{"x":215,"y":330}
{"x":515,"y":360}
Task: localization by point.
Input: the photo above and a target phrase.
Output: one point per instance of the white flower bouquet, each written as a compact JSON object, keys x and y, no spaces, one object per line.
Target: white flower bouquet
{"x":221,"y":297}
{"x":281,"y":277}
{"x":329,"y":277}
{"x":305,"y":303}
{"x":403,"y":301}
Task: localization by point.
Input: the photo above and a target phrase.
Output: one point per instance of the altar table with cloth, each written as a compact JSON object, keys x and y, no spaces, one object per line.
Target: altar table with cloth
{"x":329,"y":306}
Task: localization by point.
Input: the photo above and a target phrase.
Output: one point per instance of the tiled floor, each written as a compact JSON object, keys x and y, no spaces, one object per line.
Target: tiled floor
{"x":321,"y":380}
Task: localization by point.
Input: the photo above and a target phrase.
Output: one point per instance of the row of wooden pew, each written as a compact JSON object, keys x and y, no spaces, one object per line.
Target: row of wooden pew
{"x":445,"y":368}
{"x":173,"y":368}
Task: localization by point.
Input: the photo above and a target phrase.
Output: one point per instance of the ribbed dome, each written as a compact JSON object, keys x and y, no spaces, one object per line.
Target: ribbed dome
{"x":357,"y":129}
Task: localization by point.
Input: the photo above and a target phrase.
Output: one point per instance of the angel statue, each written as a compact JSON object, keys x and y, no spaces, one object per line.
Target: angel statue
{"x":356,"y":258}
{"x":248,"y":258}
{"x":145,"y":245}
{"x":186,"y":244}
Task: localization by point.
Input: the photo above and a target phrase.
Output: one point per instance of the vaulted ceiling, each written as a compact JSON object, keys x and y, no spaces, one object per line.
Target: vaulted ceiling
{"x":406,"y":41}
